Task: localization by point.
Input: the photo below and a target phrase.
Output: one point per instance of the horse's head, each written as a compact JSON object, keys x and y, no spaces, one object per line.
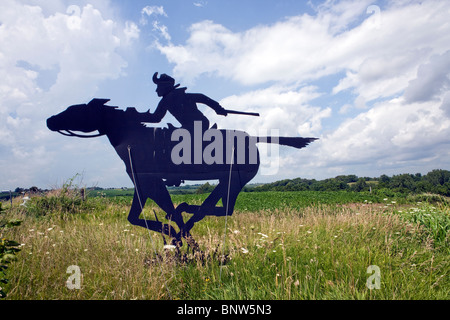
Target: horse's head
{"x":80,"y":117}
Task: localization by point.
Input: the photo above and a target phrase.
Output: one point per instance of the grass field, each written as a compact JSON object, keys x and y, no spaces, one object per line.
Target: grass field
{"x":278,"y":245}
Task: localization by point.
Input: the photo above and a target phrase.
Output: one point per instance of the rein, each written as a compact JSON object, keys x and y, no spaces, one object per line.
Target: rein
{"x":69,"y":133}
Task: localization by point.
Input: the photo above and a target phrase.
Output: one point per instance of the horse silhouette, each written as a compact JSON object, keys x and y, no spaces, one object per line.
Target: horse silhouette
{"x":158,"y":157}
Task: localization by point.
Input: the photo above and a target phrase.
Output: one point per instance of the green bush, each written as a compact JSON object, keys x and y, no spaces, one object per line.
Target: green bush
{"x":62,"y":204}
{"x":8,"y":250}
{"x":435,"y":221}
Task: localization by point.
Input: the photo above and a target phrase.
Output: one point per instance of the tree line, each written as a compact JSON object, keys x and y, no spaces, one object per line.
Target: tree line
{"x":436,"y":181}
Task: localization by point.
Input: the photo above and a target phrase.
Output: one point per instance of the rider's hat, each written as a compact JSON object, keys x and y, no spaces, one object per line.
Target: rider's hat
{"x":164,"y":80}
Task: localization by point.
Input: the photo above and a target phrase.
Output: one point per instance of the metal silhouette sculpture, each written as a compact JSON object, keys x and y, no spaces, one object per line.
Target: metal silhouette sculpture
{"x":157,"y":157}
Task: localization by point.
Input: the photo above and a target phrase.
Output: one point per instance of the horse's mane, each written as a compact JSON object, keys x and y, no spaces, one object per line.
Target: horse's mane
{"x":113,"y":113}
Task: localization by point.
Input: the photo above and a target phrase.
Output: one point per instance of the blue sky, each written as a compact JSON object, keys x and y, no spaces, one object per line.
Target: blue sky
{"x":369,"y":78}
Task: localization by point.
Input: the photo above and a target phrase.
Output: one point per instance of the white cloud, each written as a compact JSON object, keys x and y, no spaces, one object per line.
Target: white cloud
{"x":162,"y":29}
{"x":392,"y":137}
{"x":200,"y":3}
{"x":445,"y":106}
{"x":149,"y":11}
{"x":79,"y":46}
{"x":392,"y":65}
{"x":338,"y":15}
{"x":299,"y":48}
{"x":157,"y":10}
{"x":381,"y":76}
{"x":282,"y":108}
{"x":308,"y":47}
{"x":432,"y":79}
{"x":131,"y":31}
{"x":395,"y":63}
{"x":210,"y":48}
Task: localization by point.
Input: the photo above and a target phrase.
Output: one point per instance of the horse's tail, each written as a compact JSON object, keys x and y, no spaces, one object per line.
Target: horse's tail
{"x":296,"y":142}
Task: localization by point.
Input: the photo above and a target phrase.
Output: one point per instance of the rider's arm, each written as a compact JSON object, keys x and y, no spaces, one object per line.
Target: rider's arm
{"x":156,"y":116}
{"x":201,"y":98}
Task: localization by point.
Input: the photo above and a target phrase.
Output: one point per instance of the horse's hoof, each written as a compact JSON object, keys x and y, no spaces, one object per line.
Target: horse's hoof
{"x":177,"y":242}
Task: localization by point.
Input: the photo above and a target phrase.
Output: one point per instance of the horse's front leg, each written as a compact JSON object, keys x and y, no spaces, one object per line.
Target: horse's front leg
{"x":135,"y":212}
{"x":158,"y":193}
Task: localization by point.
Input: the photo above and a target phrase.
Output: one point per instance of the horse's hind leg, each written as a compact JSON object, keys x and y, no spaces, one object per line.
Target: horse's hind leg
{"x":228,"y":189}
{"x":162,"y":198}
{"x":199,"y":214}
{"x":210,"y":201}
{"x":135,"y":212}
{"x":159,"y":194}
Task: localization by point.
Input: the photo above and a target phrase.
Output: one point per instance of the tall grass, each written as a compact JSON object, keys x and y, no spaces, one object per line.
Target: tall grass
{"x":313,"y":252}
{"x":434,"y":220}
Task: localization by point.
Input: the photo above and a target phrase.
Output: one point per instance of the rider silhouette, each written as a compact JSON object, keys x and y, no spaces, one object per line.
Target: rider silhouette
{"x":182,"y":105}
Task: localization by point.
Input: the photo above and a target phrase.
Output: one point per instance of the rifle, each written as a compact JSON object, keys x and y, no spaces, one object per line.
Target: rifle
{"x":243,"y":113}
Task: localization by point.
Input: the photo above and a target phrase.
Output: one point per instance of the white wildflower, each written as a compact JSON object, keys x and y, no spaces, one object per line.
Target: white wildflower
{"x":263,"y":235}
{"x":169,"y":247}
{"x":244,"y":250}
